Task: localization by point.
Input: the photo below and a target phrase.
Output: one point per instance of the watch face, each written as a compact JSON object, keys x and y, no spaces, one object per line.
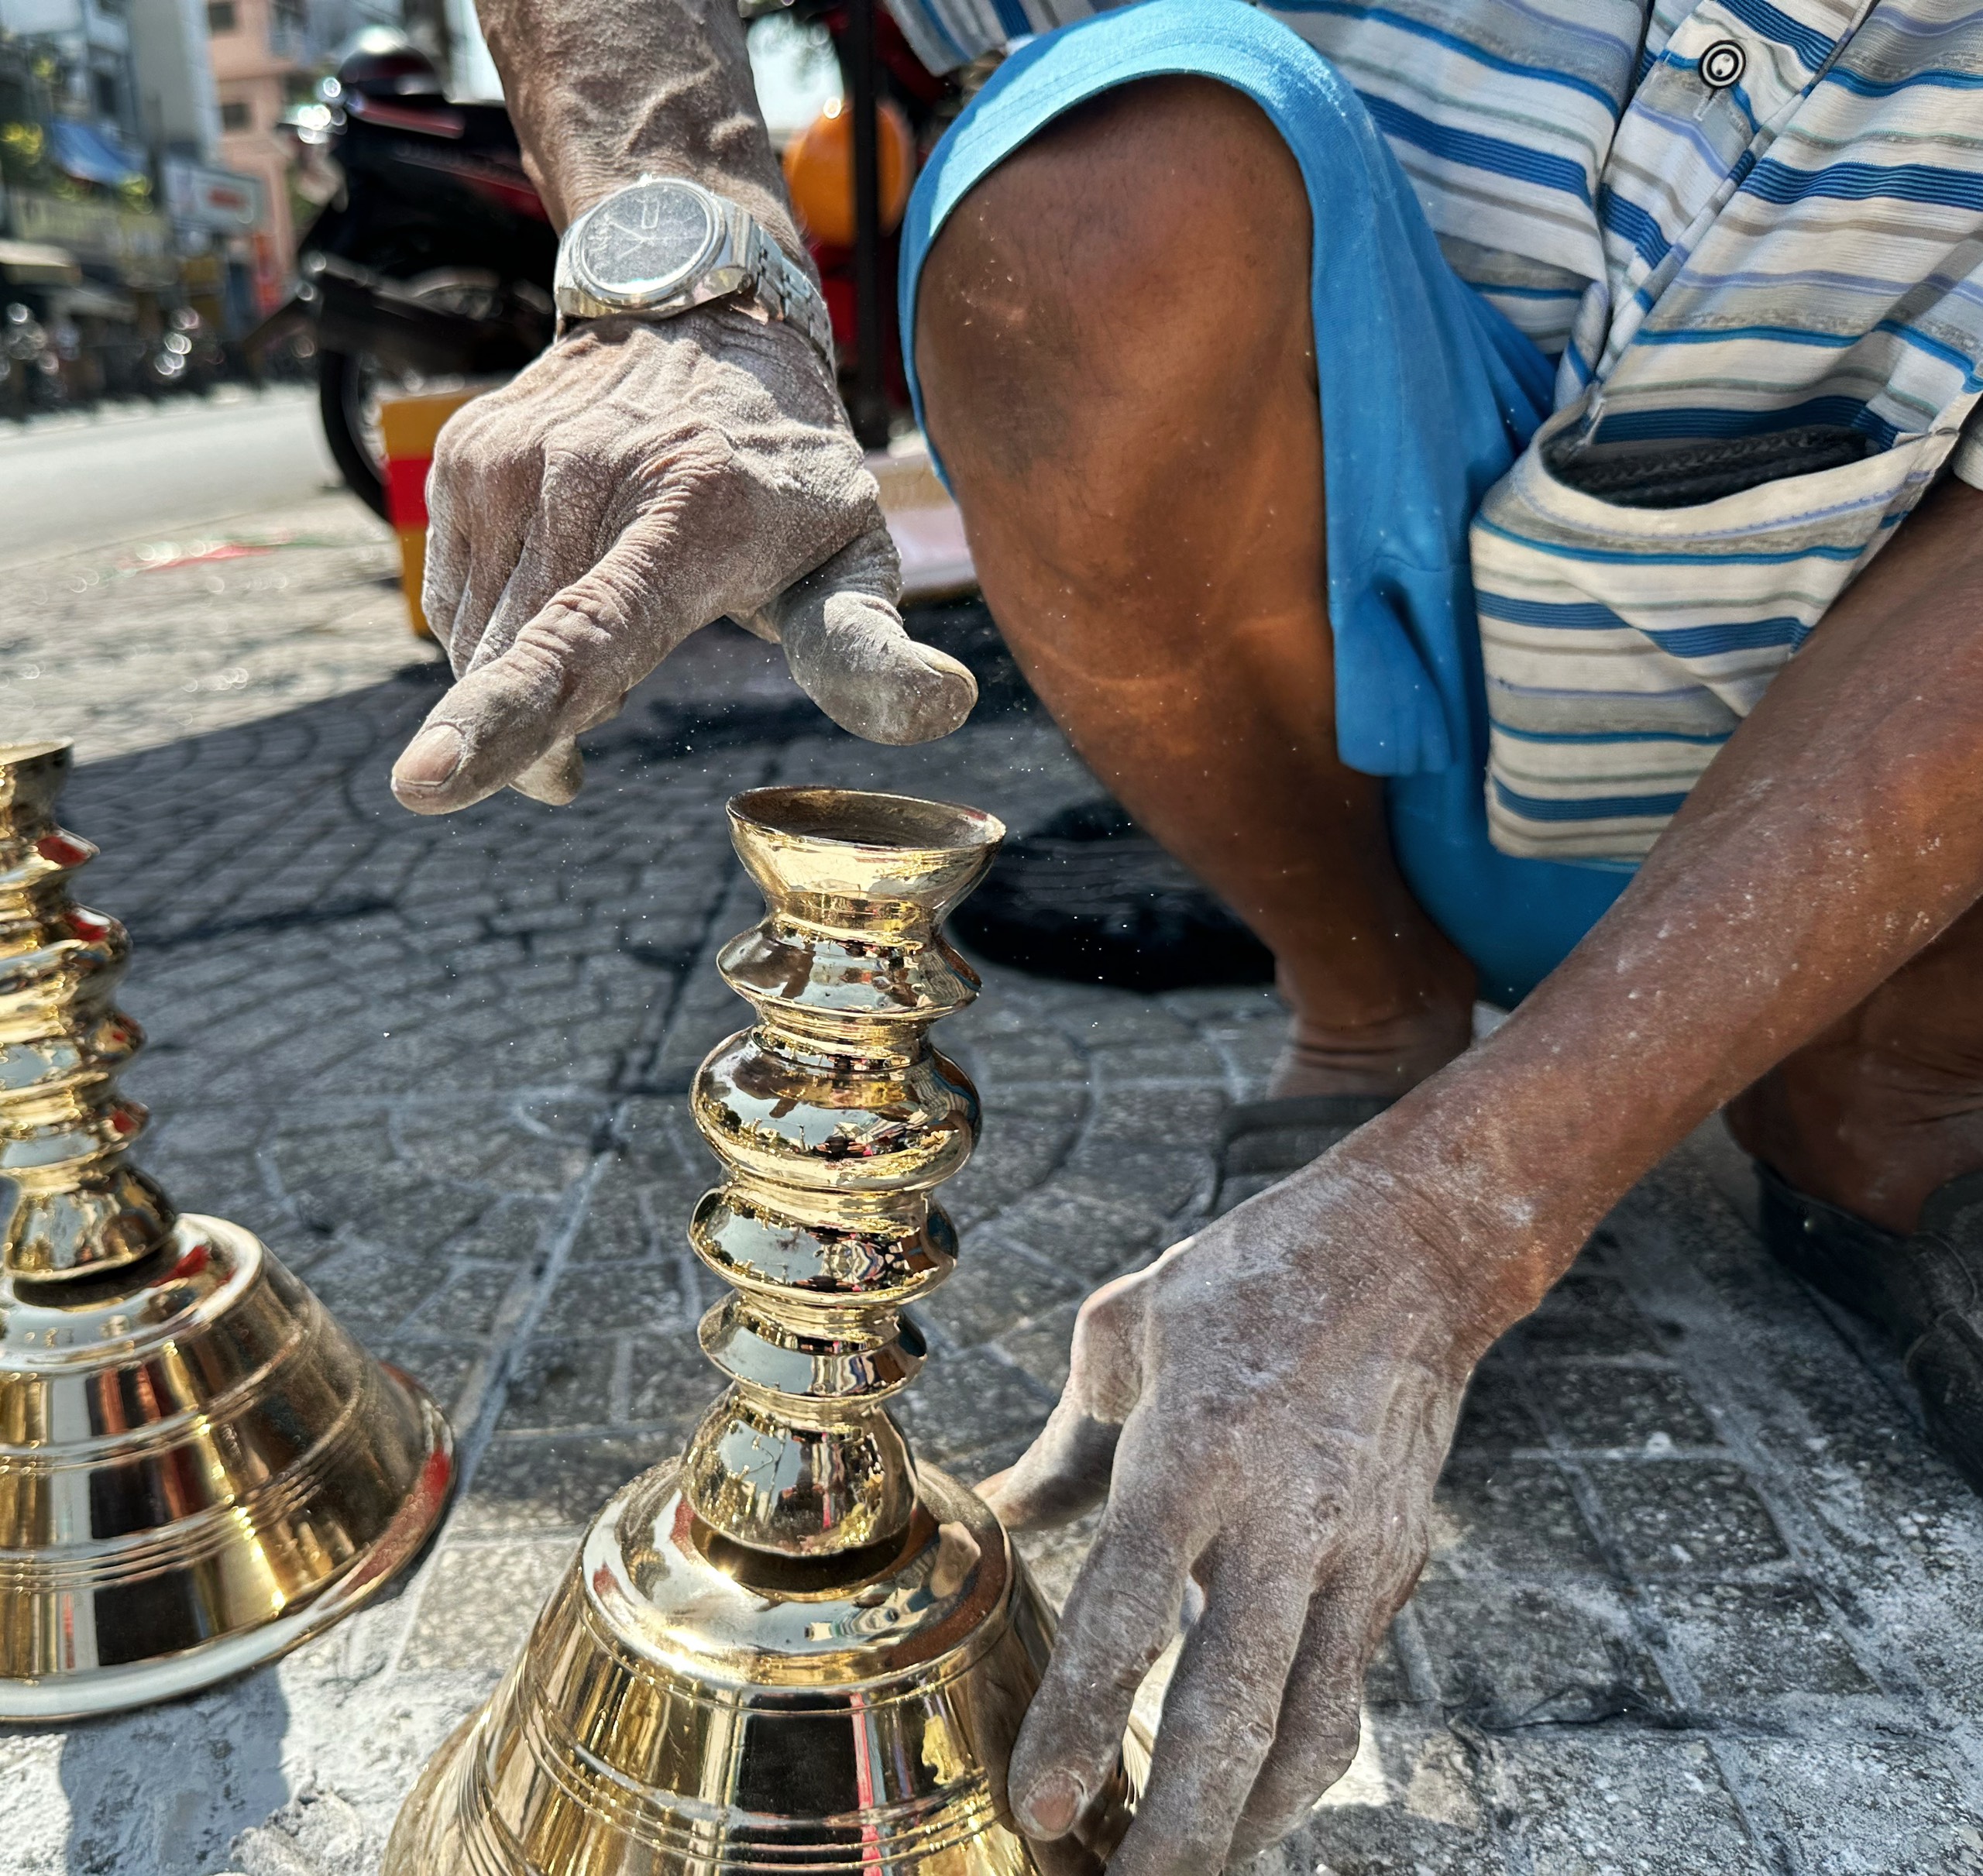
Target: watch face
{"x":647,"y":242}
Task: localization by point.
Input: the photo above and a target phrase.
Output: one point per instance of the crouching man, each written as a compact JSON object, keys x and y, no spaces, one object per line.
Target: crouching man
{"x":1486,"y":487}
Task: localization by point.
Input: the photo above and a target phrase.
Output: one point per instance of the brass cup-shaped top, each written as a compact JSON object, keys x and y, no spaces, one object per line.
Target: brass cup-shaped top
{"x":880,"y":865}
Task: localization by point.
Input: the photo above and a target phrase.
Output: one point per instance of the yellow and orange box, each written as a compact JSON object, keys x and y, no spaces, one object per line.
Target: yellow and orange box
{"x":408,"y":426}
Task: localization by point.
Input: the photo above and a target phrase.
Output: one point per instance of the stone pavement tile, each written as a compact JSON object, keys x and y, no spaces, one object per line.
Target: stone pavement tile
{"x":1586,"y":1802}
{"x":373,"y":1289}
{"x":1094,"y":1235}
{"x":1040,"y":1345}
{"x":670,"y":1383}
{"x":1055,"y":1556}
{"x":1684,"y":1515}
{"x":468,"y":1303}
{"x":488,"y":1148}
{"x":1185,"y":1057}
{"x":1385,"y":1683}
{"x":1885,"y":1526}
{"x":1588,"y":1313}
{"x":1605,"y":1405}
{"x":965,"y":1403}
{"x":1511,"y":1654}
{"x":525,"y":1485}
{"x":594,"y":1297}
{"x":1748,"y":1644}
{"x":999,"y":1045}
{"x":1517,"y":1515}
{"x":994,"y":1287}
{"x":1888,"y":1801}
{"x":1160,"y":1180}
{"x":561,"y":1381}
{"x":618,"y":1225}
{"x":1407,"y":1804}
{"x":1498,"y":1417}
{"x":477,"y":1604}
{"x":1178,"y":1120}
{"x":442,"y":1367}
{"x":1014,"y":1155}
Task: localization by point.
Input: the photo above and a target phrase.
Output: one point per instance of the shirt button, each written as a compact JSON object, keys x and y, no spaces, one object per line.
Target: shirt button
{"x":1722,"y":64}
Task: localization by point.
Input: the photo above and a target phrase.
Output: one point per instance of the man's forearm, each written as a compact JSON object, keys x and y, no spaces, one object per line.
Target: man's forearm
{"x":603,"y":95}
{"x":1839,"y":832}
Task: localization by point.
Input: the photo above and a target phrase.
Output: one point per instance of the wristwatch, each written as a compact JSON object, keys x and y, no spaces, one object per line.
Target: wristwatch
{"x":660,"y":246}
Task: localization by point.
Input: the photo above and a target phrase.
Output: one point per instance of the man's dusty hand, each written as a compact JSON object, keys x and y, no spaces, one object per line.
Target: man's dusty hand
{"x":1266,"y":1407}
{"x":638,"y":481}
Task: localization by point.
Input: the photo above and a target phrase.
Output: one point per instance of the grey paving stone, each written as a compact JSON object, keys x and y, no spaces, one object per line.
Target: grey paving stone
{"x":441,"y":1367}
{"x":478,"y":1603}
{"x":994,"y":1288}
{"x":1411,"y":1803}
{"x":1746,"y":1643}
{"x":1590,"y":1313}
{"x":1517,"y":1515}
{"x":1095,"y":1237}
{"x":670,"y":1383}
{"x":1849,"y":1804}
{"x":1040,"y":1345}
{"x":561,"y":1381}
{"x":467,"y":1303}
{"x":527,"y":1485}
{"x":592,"y":1297}
{"x":1603,"y":1405}
{"x":1639,"y":1806}
{"x":1497,"y":1416}
{"x":1684,"y":1515}
{"x":964,"y":1404}
{"x":1513,"y":1655}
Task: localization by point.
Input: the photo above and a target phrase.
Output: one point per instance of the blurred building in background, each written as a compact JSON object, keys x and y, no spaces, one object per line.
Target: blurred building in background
{"x":265,"y":60}
{"x":145,"y":187}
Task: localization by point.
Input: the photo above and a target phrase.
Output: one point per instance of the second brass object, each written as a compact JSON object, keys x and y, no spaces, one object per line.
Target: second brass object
{"x":793,"y":1649}
{"x":198,"y":1468}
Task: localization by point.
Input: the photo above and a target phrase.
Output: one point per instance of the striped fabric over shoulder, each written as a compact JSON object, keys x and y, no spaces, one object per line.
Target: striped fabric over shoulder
{"x":1751,"y":232}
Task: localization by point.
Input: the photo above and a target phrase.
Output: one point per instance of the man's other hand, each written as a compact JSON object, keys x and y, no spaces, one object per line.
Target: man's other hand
{"x":1266,"y":1408}
{"x":636,"y":482}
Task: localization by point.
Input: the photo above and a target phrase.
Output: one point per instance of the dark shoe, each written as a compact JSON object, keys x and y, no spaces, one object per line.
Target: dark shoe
{"x":1089,"y":898}
{"x":1262,"y":1142}
{"x":1925,"y":1290}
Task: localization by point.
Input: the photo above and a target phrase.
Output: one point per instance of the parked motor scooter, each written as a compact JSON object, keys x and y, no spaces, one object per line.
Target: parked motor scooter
{"x":431,"y":261}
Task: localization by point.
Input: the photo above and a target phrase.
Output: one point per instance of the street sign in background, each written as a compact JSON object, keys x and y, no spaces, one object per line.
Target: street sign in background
{"x":137,"y":244}
{"x":217,"y":200}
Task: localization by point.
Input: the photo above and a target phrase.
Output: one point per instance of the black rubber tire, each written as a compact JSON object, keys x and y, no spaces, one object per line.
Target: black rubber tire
{"x":340,"y":390}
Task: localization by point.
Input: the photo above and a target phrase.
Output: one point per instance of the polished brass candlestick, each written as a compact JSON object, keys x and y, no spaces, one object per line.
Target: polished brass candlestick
{"x":793,"y":1649}
{"x":198,"y":1468}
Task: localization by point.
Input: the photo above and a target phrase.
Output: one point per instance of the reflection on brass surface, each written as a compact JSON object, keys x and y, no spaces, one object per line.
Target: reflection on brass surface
{"x":198,"y":1468}
{"x":793,"y":1649}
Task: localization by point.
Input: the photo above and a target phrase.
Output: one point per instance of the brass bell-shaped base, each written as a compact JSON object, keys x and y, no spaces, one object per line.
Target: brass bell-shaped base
{"x":198,"y":1469}
{"x":685,"y":1708}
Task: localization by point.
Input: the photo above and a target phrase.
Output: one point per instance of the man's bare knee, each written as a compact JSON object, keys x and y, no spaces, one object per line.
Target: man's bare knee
{"x":1142,"y":254}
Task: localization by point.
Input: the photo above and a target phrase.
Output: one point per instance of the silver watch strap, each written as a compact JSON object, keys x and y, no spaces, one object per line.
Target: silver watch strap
{"x":784,"y":289}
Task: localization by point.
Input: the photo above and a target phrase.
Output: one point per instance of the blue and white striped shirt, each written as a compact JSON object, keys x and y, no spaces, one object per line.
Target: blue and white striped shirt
{"x":1753,"y":234}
